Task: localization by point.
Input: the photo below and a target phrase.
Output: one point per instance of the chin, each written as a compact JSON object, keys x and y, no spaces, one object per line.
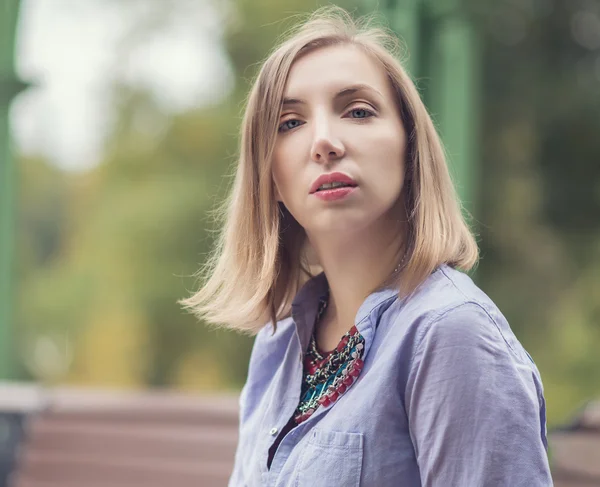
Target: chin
{"x":337,"y":225}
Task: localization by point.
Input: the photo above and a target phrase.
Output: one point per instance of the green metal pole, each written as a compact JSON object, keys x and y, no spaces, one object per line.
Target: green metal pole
{"x":405,"y":18}
{"x":444,"y":60}
{"x":453,"y":98}
{"x":9,"y":87}
{"x":444,"y":53}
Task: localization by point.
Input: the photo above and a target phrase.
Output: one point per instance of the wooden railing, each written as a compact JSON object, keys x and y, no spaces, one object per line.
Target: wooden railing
{"x":576,"y":450}
{"x":77,"y":438}
{"x":86,"y":438}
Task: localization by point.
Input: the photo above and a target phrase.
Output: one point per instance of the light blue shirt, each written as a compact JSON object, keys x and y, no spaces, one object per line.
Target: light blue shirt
{"x":448,"y":397}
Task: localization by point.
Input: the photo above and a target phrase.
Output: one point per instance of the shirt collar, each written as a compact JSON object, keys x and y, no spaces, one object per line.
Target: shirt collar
{"x":305,"y":307}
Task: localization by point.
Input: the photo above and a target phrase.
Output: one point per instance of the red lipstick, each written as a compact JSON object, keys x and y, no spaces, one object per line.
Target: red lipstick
{"x":333,"y":186}
{"x":334,"y":177}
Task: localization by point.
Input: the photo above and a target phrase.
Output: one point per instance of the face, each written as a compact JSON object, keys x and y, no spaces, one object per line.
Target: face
{"x":339,"y":116}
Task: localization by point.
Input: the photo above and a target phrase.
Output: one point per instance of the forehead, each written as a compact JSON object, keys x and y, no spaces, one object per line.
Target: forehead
{"x":333,"y":67}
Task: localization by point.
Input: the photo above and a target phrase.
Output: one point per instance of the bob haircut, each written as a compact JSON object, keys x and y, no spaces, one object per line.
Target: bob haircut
{"x":262,"y":256}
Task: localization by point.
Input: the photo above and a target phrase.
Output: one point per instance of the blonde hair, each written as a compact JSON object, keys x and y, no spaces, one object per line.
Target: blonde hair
{"x":260,"y":261}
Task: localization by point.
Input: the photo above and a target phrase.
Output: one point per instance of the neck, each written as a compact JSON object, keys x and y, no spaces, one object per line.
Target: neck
{"x":355,"y":265}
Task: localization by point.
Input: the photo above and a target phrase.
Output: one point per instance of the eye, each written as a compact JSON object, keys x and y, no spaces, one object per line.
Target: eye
{"x":289,"y":125}
{"x":361,"y":113}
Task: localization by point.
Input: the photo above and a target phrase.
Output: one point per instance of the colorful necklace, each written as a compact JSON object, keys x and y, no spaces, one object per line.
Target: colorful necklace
{"x":327,"y":377}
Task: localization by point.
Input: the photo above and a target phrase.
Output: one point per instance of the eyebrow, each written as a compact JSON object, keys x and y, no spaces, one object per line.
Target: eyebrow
{"x":350,"y":90}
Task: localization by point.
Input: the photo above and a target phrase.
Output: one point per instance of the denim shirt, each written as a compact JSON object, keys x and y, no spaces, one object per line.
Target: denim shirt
{"x":447,"y":397}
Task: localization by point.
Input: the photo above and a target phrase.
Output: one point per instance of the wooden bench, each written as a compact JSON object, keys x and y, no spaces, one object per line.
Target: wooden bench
{"x":86,"y":438}
{"x":575,"y":450}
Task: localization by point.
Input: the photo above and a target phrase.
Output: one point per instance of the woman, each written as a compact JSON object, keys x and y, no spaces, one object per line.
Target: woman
{"x":380,"y":363}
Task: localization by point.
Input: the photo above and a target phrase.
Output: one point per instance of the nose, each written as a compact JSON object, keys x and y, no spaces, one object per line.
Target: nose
{"x":326,"y":147}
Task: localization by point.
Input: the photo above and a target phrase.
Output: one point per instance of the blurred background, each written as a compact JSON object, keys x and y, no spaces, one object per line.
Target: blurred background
{"x":126,"y":136}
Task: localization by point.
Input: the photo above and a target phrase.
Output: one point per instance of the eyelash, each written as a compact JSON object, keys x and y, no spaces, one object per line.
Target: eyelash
{"x":371,"y":113}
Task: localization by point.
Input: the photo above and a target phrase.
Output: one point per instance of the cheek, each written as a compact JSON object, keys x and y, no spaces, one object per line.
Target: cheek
{"x":282,"y":178}
{"x":391,"y":156}
{"x":285,"y":168}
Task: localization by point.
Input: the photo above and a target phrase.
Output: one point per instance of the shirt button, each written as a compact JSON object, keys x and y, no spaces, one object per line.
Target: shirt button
{"x":273,"y":431}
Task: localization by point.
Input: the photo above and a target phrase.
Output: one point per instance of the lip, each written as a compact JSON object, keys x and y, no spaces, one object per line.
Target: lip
{"x":334,"y":177}
{"x":335,"y":194}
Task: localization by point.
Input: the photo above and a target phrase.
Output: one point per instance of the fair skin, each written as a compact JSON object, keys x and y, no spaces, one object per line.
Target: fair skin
{"x":324,"y":129}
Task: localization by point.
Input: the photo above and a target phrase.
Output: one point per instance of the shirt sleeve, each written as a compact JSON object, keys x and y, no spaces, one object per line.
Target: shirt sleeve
{"x":475,"y":407}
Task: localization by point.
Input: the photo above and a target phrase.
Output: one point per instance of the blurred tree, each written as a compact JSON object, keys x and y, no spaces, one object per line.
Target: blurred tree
{"x":540,"y":216}
{"x":139,"y":223}
{"x":105,"y":255}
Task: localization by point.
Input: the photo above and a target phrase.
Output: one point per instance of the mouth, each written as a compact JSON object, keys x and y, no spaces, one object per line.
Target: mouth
{"x":332,"y":182}
{"x":332,"y":186}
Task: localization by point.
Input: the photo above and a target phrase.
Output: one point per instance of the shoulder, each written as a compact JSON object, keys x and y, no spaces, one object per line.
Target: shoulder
{"x":450,"y":308}
{"x":446,"y":289}
{"x":460,"y":337}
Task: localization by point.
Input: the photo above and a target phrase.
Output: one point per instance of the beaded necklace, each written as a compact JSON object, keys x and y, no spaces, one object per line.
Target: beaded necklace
{"x":327,"y":377}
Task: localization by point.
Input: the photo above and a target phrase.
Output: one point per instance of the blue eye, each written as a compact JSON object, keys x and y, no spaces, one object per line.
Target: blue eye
{"x":289,"y":125}
{"x":361,"y":113}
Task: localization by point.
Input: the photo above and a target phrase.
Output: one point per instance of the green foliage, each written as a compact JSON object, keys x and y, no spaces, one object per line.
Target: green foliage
{"x":540,"y":205}
{"x":107,"y":254}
